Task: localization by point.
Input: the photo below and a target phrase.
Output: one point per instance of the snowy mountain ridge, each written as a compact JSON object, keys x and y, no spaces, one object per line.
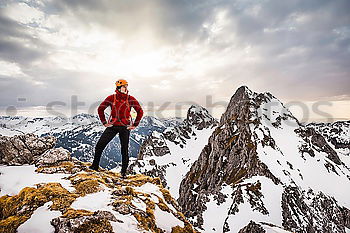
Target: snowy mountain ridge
{"x":258,"y":167}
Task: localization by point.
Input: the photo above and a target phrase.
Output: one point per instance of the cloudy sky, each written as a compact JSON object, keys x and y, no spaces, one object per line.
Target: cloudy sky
{"x":173,"y":51}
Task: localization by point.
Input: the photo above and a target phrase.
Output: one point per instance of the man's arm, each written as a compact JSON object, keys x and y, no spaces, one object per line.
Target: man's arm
{"x":101,"y":109}
{"x":135,"y":104}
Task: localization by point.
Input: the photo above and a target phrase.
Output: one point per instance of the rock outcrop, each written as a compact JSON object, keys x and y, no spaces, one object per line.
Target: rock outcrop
{"x":139,"y":203}
{"x":23,"y":149}
{"x":337,"y":134}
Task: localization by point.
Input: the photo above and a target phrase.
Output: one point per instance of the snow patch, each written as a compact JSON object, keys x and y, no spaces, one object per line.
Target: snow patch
{"x":15,"y":178}
{"x":39,"y":222}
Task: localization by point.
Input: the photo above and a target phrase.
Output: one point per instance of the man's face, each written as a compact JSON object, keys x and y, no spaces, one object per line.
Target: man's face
{"x":124,"y":88}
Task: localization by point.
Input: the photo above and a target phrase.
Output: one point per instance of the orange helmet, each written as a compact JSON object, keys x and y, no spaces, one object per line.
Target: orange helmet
{"x":121,"y":82}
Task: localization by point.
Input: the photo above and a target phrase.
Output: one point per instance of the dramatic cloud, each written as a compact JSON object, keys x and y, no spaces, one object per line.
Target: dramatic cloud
{"x":174,"y":50}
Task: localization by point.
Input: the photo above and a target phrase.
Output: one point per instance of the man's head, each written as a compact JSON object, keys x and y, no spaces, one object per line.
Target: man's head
{"x":122,"y":85}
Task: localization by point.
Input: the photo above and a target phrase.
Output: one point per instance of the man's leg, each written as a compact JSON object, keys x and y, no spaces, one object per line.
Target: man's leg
{"x":105,"y":138}
{"x":124,"y":135}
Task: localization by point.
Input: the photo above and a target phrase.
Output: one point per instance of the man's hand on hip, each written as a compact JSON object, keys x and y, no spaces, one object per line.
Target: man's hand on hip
{"x":131,"y":127}
{"x":108,"y":125}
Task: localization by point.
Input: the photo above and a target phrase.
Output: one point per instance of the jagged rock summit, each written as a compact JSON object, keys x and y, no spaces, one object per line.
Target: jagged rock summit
{"x":170,"y":154}
{"x":261,"y":168}
{"x":197,"y":119}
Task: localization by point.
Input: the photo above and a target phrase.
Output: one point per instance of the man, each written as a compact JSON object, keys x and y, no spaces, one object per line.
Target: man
{"x":120,"y":121}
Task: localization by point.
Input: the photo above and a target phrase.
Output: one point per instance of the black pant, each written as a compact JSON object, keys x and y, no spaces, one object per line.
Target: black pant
{"x":106,"y":137}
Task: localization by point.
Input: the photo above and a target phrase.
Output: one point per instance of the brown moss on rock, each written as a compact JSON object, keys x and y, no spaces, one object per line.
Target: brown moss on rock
{"x":168,"y":198}
{"x":14,"y":210}
{"x":73,"y":213}
{"x":140,"y":179}
{"x":130,"y":191}
{"x":146,"y":219}
{"x":10,"y":224}
{"x":80,"y":177}
{"x":64,"y":166}
{"x":186,"y":229}
{"x":87,"y":186}
{"x":163,"y":206}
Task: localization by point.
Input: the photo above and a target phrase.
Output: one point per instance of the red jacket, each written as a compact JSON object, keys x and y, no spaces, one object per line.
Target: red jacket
{"x":120,"y":114}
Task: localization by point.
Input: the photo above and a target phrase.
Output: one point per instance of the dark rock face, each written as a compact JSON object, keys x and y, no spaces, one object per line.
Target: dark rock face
{"x":154,"y":145}
{"x":197,"y":118}
{"x":22,"y":149}
{"x":98,"y":222}
{"x":312,"y":212}
{"x":311,"y":137}
{"x":336,"y":133}
{"x":231,"y":157}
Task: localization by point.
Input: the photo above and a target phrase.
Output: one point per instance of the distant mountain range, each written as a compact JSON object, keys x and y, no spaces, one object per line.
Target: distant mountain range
{"x":79,"y":134}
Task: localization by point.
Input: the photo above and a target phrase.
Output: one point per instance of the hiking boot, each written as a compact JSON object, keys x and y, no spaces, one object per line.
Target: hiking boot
{"x":123,"y":174}
{"x":94,"y":167}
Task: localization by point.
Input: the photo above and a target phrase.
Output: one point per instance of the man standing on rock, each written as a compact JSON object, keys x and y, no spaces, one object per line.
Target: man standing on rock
{"x":119,"y":121}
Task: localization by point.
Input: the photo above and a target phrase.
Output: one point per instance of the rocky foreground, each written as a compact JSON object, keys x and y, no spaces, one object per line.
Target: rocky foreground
{"x":82,"y":200}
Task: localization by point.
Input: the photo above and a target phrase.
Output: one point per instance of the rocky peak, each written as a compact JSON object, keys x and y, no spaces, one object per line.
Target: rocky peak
{"x":199,"y":117}
{"x":251,"y":107}
{"x":238,"y":104}
{"x":255,"y":130}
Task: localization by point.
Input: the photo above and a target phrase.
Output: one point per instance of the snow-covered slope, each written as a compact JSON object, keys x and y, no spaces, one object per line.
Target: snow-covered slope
{"x":57,"y":193}
{"x":261,"y":165}
{"x":79,"y":134}
{"x":169,"y":155}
